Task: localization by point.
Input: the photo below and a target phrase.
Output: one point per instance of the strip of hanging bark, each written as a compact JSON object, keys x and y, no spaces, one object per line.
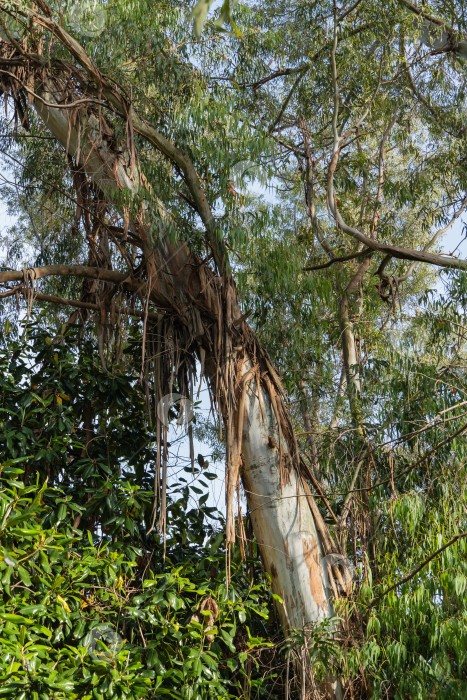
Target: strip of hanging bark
{"x":163,"y":504}
{"x":343,"y":579}
{"x":145,"y":325}
{"x":29,"y":291}
{"x":157,"y":393}
{"x":241,"y":528}
{"x":309,"y":475}
{"x":235,"y":449}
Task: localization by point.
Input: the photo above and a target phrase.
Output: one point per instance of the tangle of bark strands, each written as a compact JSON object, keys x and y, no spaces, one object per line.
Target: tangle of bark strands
{"x":211,"y":326}
{"x":200,"y":317}
{"x":13,"y":88}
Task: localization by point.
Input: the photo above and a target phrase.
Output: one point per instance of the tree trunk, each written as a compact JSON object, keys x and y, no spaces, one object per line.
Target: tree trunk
{"x":284,"y":526}
{"x":283,"y":521}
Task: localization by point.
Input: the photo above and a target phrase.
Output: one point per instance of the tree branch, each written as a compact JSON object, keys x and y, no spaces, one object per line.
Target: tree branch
{"x":430,"y":18}
{"x":94,"y":307}
{"x":305,"y":66}
{"x":394,"y":251}
{"x":352,"y":256}
{"x":432,"y":241}
{"x":288,"y":98}
{"x":413,"y":466}
{"x":95,"y":273}
{"x":122,"y":104}
{"x":419,"y":568}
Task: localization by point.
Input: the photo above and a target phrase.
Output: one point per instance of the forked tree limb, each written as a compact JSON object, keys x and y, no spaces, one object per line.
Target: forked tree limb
{"x":433,"y":240}
{"x":394,"y":251}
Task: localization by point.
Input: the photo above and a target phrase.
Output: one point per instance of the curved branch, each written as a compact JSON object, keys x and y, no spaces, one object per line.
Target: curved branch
{"x":394,"y":251}
{"x":305,"y":66}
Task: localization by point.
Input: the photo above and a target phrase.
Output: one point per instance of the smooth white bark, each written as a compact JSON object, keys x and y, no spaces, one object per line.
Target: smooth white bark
{"x":284,"y":527}
{"x":283,"y":522}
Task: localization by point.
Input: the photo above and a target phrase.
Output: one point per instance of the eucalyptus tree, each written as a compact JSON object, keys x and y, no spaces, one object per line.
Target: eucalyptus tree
{"x":142,"y":153}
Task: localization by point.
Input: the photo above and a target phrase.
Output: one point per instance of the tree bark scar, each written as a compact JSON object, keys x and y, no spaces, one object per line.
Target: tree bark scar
{"x":311,"y":554}
{"x":288,"y":560}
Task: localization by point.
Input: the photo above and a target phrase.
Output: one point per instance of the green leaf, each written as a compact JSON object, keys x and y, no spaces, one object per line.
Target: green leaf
{"x":199,"y":14}
{"x":24,"y":575}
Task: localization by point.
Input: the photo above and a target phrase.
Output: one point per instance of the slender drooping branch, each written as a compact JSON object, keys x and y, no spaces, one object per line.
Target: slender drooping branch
{"x":438,"y":115}
{"x":344,"y":258}
{"x":419,"y":568}
{"x":61,"y":301}
{"x":304,"y":67}
{"x":288,"y":98}
{"x":379,"y":194}
{"x":310,"y":198}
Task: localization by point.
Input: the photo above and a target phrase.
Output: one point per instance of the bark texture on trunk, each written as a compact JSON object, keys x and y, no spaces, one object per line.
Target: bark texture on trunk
{"x":283,"y":522}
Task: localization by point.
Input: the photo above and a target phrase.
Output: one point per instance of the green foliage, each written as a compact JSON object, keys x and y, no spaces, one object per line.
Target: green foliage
{"x":201,"y":9}
{"x":88,"y":607}
{"x":414,"y":632}
{"x":255,"y":114}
